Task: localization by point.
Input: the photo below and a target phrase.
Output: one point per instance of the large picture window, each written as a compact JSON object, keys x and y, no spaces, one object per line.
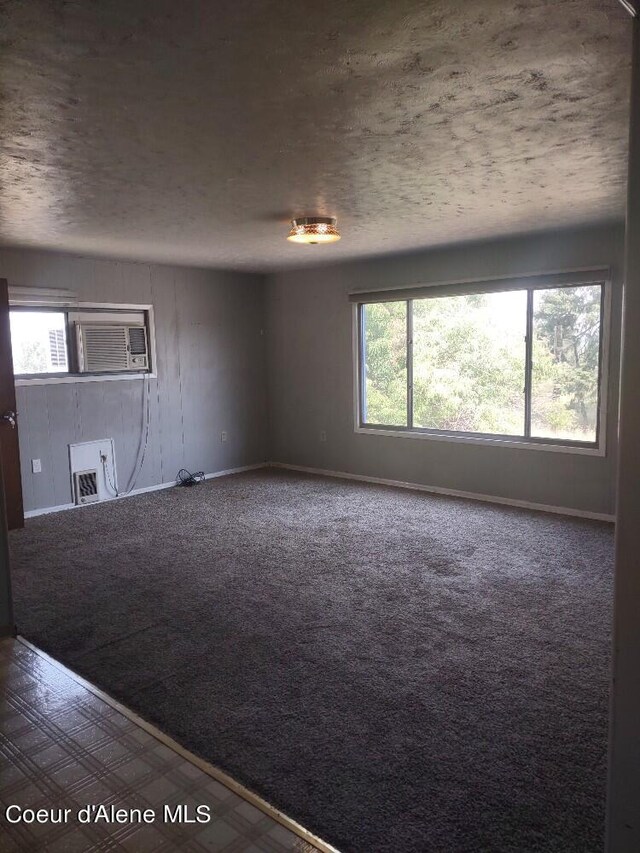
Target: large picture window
{"x":514,"y":363}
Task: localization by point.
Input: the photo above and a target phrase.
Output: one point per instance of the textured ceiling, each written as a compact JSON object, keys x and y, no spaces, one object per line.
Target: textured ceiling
{"x":191,"y":131}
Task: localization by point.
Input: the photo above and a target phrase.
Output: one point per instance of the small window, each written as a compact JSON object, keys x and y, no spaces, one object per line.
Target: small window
{"x":80,"y":341}
{"x":39,"y":342}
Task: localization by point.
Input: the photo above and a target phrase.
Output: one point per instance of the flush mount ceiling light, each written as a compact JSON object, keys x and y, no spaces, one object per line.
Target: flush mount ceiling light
{"x":313,"y":229}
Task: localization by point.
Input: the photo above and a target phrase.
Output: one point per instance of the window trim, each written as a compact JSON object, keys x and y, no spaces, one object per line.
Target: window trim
{"x":69,"y":377}
{"x":527,"y":283}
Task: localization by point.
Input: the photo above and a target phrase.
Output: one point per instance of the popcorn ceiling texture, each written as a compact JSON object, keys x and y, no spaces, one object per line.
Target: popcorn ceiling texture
{"x":190,"y":132}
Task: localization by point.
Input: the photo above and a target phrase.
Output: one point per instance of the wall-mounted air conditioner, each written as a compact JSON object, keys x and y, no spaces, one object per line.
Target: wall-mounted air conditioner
{"x":111,"y":347}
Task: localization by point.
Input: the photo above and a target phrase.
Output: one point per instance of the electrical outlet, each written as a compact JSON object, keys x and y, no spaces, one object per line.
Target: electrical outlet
{"x":223,"y":435}
{"x":323,"y":435}
{"x":36,"y":466}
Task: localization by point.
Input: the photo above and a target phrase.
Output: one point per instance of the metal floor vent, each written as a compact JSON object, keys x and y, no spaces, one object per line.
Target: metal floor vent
{"x":86,"y":486}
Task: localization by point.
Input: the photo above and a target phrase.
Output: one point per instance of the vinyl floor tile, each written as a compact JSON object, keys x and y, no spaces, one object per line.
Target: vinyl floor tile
{"x":61,"y":746}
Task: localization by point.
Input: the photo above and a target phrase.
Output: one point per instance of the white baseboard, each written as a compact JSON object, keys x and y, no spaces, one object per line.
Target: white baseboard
{"x":453,"y":493}
{"x":242,"y":468}
{"x":343,"y":475}
{"x":31,"y":513}
{"x":49,"y":509}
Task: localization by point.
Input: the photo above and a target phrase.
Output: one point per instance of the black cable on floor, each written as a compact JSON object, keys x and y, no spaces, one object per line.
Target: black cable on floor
{"x":186,"y":478}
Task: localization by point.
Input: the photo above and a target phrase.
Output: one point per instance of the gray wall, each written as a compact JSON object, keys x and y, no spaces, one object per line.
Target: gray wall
{"x":210,"y":365}
{"x":211,"y":374}
{"x":311,"y":378}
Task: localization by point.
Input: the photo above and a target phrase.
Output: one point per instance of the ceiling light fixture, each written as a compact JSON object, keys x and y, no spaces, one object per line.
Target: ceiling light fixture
{"x":313,"y":229}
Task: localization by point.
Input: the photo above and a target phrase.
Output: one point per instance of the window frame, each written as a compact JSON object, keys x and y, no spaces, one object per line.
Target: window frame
{"x":526,"y":440}
{"x":72,"y":375}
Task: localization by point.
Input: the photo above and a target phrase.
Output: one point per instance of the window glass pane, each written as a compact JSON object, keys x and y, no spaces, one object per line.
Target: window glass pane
{"x":468,"y":363}
{"x":566,"y":356}
{"x":385,"y":363}
{"x":39,"y":342}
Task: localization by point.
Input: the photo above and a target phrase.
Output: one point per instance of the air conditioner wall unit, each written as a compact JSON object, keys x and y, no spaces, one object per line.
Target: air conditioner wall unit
{"x":112,"y":347}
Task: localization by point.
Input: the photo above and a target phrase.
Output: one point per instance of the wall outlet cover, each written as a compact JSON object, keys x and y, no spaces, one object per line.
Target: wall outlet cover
{"x":223,"y":435}
{"x":36,"y":466}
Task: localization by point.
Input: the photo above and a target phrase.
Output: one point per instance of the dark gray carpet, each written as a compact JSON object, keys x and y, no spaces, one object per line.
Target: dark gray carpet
{"x":397,"y":671}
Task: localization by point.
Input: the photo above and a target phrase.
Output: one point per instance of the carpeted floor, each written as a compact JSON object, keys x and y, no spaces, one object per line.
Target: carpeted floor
{"x":397,"y":671}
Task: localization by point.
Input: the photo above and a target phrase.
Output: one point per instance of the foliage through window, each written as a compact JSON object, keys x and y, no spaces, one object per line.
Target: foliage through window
{"x":513,"y":363}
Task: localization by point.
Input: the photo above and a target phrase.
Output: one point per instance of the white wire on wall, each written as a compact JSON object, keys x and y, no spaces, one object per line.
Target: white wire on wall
{"x":142,"y":447}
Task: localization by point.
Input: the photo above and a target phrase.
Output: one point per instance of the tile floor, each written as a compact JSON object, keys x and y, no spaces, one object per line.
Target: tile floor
{"x":62,"y":747}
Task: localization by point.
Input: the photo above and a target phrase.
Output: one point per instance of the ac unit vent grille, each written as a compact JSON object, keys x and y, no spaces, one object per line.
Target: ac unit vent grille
{"x":107,"y":347}
{"x":137,"y":340}
{"x":86,"y":486}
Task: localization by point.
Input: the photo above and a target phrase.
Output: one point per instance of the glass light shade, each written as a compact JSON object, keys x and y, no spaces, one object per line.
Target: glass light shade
{"x":313,"y":229}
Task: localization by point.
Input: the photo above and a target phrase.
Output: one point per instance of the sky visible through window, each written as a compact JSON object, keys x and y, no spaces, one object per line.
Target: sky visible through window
{"x":38,"y":342}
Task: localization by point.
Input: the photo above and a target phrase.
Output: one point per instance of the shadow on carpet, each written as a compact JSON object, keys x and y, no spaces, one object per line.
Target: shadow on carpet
{"x":399,"y":672}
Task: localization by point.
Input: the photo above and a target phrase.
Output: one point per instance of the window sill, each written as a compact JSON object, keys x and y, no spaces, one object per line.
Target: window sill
{"x":515,"y":443}
{"x":75,"y":377}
